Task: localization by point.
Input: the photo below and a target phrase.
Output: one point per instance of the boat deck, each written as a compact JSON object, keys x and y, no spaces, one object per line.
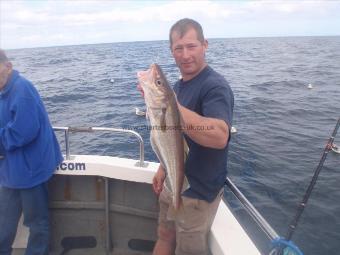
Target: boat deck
{"x":100,"y":201}
{"x":87,"y":252}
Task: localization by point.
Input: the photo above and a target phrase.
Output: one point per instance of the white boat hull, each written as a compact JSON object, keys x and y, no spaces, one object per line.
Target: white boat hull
{"x":227,"y":236}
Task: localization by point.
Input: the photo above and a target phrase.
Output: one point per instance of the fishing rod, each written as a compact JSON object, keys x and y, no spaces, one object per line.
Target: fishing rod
{"x":279,"y":250}
{"x":304,"y":201}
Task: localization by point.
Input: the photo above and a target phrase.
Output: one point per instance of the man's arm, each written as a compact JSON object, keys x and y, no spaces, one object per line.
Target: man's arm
{"x":208,"y":132}
{"x":24,"y":126}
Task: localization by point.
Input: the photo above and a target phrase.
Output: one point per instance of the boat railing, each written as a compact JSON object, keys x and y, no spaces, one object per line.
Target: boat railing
{"x":252,"y":211}
{"x":68,"y":130}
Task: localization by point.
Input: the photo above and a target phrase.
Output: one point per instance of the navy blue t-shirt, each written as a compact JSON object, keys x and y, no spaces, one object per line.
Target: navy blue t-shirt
{"x":209,"y":95}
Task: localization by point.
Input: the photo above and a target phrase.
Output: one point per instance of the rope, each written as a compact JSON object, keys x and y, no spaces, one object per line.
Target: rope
{"x":284,"y":247}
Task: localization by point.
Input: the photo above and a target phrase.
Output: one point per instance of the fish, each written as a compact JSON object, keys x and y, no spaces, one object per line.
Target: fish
{"x":166,"y":134}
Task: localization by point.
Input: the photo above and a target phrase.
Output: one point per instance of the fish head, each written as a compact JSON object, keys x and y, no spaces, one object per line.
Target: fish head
{"x":155,"y":86}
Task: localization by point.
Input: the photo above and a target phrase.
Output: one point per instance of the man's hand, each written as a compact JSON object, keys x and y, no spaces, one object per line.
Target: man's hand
{"x":158,"y":180}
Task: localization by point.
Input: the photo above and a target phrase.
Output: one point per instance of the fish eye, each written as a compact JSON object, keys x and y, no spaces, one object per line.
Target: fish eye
{"x":158,"y":82}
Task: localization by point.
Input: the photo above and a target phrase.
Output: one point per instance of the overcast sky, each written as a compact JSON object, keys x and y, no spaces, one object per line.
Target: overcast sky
{"x":35,"y":23}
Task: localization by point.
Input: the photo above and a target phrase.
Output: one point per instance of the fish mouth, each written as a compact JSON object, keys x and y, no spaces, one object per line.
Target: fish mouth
{"x":149,"y":74}
{"x":144,"y":76}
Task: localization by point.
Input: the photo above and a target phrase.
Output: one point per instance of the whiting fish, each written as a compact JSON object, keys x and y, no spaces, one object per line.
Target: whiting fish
{"x":166,"y":134}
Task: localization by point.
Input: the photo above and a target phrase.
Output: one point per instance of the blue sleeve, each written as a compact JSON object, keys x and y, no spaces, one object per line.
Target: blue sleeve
{"x":23,"y":126}
{"x":2,"y":149}
{"x":219,"y":103}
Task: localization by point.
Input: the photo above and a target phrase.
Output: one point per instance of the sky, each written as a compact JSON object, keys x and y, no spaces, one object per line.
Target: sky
{"x":42,"y":23}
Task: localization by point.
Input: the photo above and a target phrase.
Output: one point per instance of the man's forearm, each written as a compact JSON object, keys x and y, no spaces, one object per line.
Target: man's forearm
{"x":208,"y":132}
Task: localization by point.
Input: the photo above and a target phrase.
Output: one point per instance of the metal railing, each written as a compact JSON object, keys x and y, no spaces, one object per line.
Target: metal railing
{"x":68,"y":130}
{"x":251,"y":210}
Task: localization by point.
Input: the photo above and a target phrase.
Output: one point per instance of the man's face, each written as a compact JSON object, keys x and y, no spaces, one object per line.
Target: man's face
{"x":189,"y":53}
{"x":5,"y":71}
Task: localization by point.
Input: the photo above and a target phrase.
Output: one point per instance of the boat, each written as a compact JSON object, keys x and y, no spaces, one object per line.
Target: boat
{"x":105,"y":205}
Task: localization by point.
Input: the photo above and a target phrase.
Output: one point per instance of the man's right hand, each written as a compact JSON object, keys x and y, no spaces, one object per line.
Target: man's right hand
{"x":158,"y":180}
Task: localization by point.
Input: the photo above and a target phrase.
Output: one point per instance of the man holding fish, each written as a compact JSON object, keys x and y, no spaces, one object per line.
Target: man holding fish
{"x":189,"y":182}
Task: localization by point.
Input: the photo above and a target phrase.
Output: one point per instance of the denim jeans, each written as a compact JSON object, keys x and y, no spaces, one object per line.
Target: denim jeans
{"x":33,"y":203}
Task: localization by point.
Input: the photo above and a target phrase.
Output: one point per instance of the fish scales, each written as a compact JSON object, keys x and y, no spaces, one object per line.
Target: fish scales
{"x":166,"y":135}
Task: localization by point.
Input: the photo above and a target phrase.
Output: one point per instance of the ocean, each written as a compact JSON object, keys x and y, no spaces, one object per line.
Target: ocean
{"x":282,"y":125}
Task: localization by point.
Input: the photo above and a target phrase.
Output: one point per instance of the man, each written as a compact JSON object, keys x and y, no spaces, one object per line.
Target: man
{"x":29,"y":155}
{"x":206,"y":104}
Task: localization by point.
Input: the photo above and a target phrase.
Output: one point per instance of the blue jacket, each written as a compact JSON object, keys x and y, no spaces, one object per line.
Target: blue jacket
{"x":29,"y":150}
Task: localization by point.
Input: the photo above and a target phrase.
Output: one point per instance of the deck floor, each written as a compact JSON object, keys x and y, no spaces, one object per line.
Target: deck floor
{"x":21,"y":242}
{"x":19,"y":251}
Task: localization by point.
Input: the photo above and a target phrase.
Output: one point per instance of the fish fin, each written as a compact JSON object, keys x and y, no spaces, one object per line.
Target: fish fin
{"x":163,"y":122}
{"x":147,"y":113}
{"x":186,"y":184}
{"x":186,"y":149}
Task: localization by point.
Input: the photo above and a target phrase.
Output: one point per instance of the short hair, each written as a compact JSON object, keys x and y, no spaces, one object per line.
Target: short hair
{"x":3,"y":57}
{"x":183,"y":26}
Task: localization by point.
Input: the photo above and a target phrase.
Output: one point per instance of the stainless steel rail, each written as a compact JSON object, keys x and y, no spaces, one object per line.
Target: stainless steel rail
{"x":68,"y":130}
{"x":251,"y":210}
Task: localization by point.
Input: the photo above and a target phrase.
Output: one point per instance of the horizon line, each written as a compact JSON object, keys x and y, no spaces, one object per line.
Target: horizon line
{"x":159,"y":40}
